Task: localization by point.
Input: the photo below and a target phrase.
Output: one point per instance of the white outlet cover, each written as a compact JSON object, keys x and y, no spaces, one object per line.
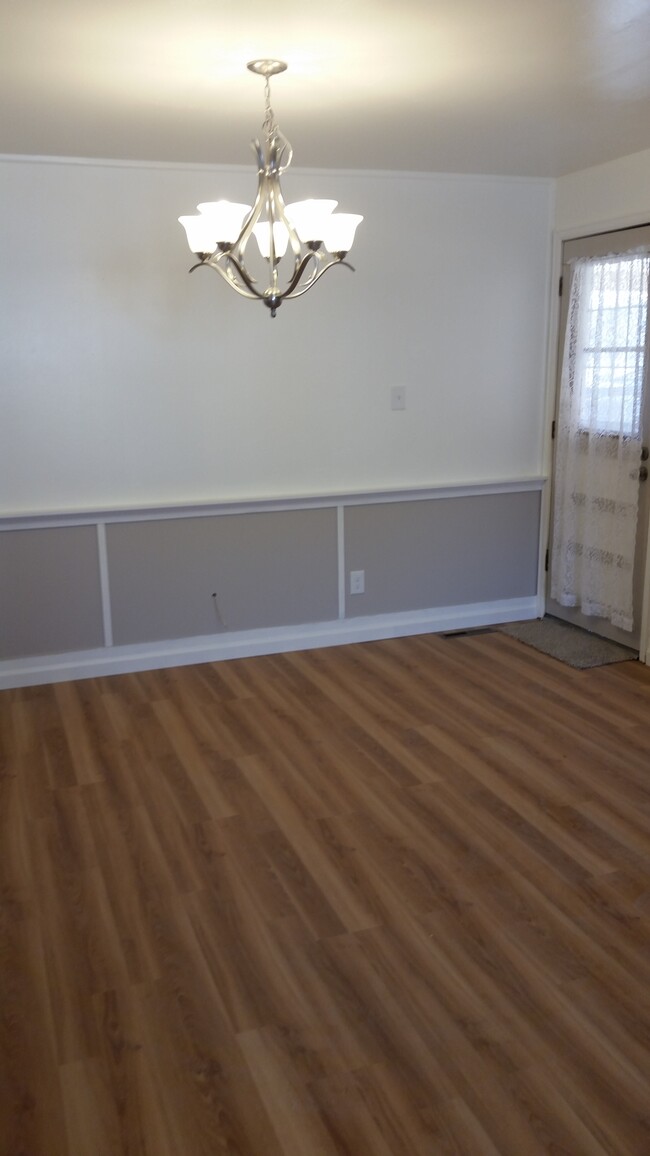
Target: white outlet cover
{"x":357,"y":581}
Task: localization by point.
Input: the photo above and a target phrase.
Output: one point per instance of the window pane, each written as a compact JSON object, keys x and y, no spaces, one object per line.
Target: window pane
{"x":614,"y":348}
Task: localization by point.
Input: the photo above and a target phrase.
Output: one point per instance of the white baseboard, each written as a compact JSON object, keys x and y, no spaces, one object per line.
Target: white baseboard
{"x":35,"y":671}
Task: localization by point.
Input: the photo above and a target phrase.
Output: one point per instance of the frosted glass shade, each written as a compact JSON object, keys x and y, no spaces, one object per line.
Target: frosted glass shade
{"x":200,"y":233}
{"x":226,"y":218}
{"x":262,"y":233}
{"x":309,"y":218}
{"x":339,"y":231}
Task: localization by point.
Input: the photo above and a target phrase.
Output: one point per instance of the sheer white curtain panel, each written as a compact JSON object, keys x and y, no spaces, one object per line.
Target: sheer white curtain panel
{"x":598,"y":437}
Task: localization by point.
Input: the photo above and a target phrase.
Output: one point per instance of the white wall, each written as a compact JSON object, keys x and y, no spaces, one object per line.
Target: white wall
{"x":617,"y":192}
{"x":126,"y":382}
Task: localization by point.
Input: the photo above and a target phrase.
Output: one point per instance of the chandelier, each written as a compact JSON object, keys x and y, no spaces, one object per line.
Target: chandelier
{"x":296,"y":243}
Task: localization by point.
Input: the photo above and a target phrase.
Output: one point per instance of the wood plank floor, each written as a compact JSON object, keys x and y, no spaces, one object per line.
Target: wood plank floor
{"x":390,"y":899}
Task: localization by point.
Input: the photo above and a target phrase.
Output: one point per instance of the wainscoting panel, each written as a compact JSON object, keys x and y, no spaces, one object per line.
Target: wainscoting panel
{"x":443,"y":552}
{"x":50,"y":595}
{"x":180,"y":577}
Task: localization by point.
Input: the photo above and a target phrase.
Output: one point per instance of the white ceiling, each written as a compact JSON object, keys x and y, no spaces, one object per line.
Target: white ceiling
{"x":530,"y":87}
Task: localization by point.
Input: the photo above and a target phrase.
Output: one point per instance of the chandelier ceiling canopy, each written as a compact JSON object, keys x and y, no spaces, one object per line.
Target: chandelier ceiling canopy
{"x":296,"y":243}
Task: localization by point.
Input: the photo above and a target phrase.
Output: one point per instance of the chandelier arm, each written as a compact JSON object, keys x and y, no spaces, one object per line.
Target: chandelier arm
{"x":283,"y":146}
{"x":218,"y":260}
{"x":214,"y":262}
{"x":249,"y":292}
{"x":277,"y":211}
{"x":253,"y":217}
{"x":299,"y":270}
{"x":300,"y":289}
{"x":257,"y":149}
{"x":242,"y":272}
{"x":249,"y":280}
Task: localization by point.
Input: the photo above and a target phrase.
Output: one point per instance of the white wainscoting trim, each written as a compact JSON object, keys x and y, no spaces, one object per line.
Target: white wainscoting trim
{"x":340,"y":549}
{"x":35,"y":671}
{"x":34,"y":520}
{"x":104,"y":583}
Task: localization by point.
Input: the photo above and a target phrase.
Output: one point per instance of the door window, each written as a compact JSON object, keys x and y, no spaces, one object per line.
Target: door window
{"x":615,"y":303}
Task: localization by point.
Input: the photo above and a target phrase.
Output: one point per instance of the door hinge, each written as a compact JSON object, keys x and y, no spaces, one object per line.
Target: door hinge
{"x":552,"y":431}
{"x":546,"y":562}
{"x":559,"y":288}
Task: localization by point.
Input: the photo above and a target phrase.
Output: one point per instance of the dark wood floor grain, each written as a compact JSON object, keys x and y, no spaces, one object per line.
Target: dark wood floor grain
{"x":390,"y":899}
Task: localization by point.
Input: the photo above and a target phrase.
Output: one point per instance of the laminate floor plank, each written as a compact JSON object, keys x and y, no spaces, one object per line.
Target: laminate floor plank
{"x":31,"y":1101}
{"x":563,"y":717}
{"x":390,"y":899}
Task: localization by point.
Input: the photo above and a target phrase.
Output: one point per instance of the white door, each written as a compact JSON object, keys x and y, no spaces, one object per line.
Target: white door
{"x":600,"y":504}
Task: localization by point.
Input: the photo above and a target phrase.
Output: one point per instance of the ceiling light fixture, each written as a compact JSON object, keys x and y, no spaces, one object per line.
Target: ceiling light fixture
{"x":315,"y":236}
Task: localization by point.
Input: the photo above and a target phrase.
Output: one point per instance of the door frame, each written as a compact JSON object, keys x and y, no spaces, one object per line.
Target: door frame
{"x":591,"y":228}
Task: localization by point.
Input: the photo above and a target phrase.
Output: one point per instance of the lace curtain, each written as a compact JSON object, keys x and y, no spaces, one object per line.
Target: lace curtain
{"x":598,"y":439}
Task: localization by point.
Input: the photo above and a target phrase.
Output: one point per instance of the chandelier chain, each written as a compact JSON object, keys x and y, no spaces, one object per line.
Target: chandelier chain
{"x":269,"y":125}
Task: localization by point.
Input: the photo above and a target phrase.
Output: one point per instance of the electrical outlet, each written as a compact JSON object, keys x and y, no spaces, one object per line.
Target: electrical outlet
{"x":357,"y":581}
{"x":398,"y":397}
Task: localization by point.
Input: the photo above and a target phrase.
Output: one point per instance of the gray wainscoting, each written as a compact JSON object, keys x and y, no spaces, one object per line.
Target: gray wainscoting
{"x":120,"y":580}
{"x":445,"y":552}
{"x":266,"y":569}
{"x":50,"y":594}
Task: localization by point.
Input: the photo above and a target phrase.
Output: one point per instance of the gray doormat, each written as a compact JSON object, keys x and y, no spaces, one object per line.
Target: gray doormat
{"x":568,"y":643}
